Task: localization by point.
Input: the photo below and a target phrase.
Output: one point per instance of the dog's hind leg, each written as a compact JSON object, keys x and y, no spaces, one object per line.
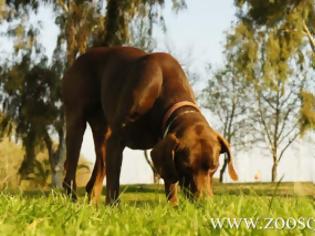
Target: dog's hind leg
{"x":75,"y":127}
{"x":100,"y":135}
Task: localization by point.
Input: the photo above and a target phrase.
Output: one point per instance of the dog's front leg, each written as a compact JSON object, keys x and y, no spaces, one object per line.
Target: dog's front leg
{"x":171,"y":192}
{"x":113,"y":166}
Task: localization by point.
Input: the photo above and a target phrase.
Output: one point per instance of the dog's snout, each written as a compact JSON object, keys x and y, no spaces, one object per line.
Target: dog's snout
{"x":202,"y":182}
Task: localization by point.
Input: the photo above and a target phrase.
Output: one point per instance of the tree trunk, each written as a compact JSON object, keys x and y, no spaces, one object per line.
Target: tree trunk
{"x":223,"y":168}
{"x":274,"y":171}
{"x":309,"y":36}
{"x":274,"y":164}
{"x":115,"y":24}
{"x":57,"y":168}
{"x":28,"y":163}
{"x":58,"y":161}
{"x":56,"y":158}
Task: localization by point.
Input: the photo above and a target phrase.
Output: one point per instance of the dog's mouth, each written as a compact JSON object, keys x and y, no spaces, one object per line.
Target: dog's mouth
{"x":190,"y":190}
{"x":188,"y":187}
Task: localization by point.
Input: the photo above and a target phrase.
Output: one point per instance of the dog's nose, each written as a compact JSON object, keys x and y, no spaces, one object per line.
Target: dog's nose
{"x":203,"y":185}
{"x":203,"y":194}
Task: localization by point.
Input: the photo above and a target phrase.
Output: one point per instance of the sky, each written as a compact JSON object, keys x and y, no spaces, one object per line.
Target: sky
{"x":199,"y":30}
{"x":195,"y":36}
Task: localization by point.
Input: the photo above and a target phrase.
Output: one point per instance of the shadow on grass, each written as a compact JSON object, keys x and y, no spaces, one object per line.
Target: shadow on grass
{"x":142,"y":188}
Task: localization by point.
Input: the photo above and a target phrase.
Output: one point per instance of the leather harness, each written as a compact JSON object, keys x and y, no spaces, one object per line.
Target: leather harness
{"x":166,"y":124}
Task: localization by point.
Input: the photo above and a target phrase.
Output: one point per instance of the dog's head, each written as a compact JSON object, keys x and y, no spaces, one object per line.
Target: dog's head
{"x":192,"y":159}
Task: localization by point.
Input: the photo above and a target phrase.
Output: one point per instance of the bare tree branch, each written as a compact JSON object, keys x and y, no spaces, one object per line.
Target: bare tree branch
{"x":264,"y":123}
{"x":309,"y":36}
{"x":293,"y":128}
{"x":288,"y":144}
{"x":268,"y":101}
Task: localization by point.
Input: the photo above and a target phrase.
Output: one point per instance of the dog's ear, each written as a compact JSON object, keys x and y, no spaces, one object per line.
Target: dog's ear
{"x":225,"y":148}
{"x":163,"y":158}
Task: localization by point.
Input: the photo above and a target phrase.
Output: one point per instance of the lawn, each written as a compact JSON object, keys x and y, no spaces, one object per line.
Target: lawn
{"x":144,"y":211}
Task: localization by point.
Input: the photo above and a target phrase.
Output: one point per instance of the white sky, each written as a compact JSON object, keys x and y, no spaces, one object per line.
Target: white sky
{"x":196,"y":36}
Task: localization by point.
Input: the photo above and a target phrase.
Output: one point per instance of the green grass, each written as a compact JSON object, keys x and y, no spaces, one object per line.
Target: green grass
{"x":144,"y":211}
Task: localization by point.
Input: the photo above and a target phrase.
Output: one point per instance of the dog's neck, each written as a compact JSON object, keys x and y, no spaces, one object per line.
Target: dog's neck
{"x":172,"y":115}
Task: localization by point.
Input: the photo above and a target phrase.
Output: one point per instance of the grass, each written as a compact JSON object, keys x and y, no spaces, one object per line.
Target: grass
{"x":143,"y":211}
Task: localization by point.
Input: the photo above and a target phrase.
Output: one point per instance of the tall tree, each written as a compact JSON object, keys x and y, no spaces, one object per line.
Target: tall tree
{"x":278,"y":116}
{"x":30,"y":107}
{"x":229,"y":98}
{"x":30,"y":90}
{"x":82,"y":24}
{"x":269,"y":48}
{"x":293,"y":23}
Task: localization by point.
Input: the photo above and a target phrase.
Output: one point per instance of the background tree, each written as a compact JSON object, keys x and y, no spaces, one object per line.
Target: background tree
{"x":278,"y":116}
{"x":293,"y":23}
{"x":269,"y":49}
{"x":82,"y":24}
{"x":30,"y":108}
{"x":229,"y":99}
{"x":121,"y":13}
{"x":307,"y":112}
{"x":30,"y":92}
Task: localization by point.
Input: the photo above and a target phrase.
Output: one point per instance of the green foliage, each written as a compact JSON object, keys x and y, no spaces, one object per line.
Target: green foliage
{"x":121,"y":13}
{"x":84,"y":24}
{"x":144,"y":211}
{"x":272,"y":12}
{"x":3,"y":10}
{"x":80,"y":24}
{"x":242,"y":47}
{"x":29,"y":100}
{"x":269,"y":35}
{"x":271,"y":47}
{"x":307,"y":112}
{"x":30,"y":105}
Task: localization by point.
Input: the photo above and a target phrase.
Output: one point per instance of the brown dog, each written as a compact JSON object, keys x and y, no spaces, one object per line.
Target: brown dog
{"x":142,"y":101}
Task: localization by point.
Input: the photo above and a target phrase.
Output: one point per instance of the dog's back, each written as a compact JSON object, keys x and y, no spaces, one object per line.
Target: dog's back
{"x":131,"y":88}
{"x":81,"y":83}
